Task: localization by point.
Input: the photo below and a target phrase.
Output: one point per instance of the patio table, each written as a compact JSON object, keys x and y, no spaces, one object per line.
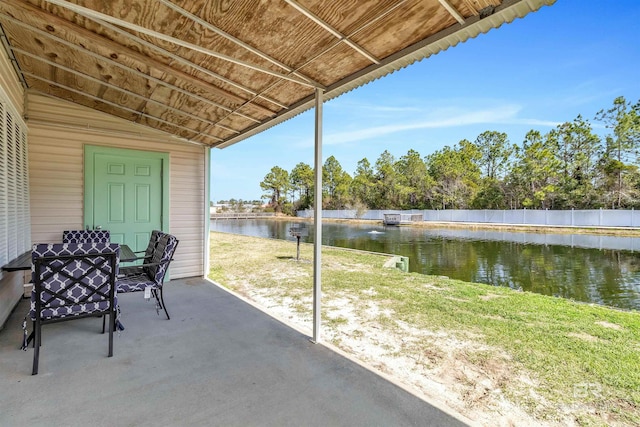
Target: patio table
{"x":126,"y":254}
{"x":23,"y":262}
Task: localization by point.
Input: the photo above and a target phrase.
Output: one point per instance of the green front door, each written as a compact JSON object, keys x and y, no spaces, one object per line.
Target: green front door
{"x":126,"y":193}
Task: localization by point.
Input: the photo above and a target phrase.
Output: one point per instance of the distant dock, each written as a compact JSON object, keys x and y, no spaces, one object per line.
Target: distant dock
{"x":401,"y":219}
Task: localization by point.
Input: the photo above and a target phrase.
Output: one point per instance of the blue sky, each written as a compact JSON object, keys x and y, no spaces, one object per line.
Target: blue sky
{"x":571,"y":58}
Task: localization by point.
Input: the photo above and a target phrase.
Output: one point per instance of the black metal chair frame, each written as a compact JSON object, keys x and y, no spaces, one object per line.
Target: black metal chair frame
{"x":151,"y":246}
{"x":159,"y":299}
{"x":139,"y":270}
{"x":148,"y":254}
{"x":98,"y":261}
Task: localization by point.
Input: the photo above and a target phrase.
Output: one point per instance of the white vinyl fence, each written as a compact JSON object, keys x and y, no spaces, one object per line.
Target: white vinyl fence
{"x":572,"y":218}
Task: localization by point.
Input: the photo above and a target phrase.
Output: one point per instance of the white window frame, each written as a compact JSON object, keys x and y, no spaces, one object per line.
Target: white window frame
{"x":15,"y":217}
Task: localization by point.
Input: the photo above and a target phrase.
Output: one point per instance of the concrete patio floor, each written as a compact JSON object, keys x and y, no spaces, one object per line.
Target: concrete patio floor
{"x":219,"y":361}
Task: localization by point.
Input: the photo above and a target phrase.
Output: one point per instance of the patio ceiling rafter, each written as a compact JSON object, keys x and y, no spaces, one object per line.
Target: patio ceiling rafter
{"x":329,"y":48}
{"x":124,"y":91}
{"x":237,"y":41}
{"x":200,"y":84}
{"x":342,"y":38}
{"x":131,"y":110}
{"x":92,"y":14}
{"x":189,"y":64}
{"x":453,"y":11}
{"x":229,"y":70}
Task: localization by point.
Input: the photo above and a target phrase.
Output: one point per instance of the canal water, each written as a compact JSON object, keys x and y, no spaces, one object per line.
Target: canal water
{"x":596,"y":269}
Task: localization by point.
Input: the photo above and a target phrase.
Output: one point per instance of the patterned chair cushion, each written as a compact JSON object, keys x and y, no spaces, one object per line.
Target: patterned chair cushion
{"x":136,"y":283}
{"x":86,"y":236}
{"x":68,"y":310}
{"x":151,"y":276}
{"x":54,"y":249}
{"x":72,"y":287}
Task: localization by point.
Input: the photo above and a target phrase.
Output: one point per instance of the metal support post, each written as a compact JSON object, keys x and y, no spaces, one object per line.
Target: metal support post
{"x":317,"y":209}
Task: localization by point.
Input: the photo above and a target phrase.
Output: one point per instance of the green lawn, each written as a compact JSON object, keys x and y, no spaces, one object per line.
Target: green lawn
{"x":581,"y":361}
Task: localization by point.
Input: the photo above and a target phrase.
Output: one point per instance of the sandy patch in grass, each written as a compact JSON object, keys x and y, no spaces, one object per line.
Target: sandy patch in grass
{"x":432,"y":287}
{"x":489,"y":297}
{"x":370,"y":292}
{"x":609,"y":325}
{"x":584,"y":336}
{"x":457,"y":299}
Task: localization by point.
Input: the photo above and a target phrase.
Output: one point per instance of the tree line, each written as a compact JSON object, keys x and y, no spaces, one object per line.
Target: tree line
{"x":567,"y":167}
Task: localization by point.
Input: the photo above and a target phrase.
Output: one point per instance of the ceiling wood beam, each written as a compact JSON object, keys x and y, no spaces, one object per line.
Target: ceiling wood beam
{"x":92,"y":14}
{"x":120,"y":107}
{"x":120,"y":89}
{"x":355,"y":32}
{"x":337,"y":42}
{"x":187,"y":63}
{"x":126,"y":68}
{"x":23,"y":10}
{"x":237,"y":41}
{"x":452,"y":11}
{"x":306,"y":12}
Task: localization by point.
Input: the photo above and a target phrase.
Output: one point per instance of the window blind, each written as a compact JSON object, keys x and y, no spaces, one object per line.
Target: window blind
{"x":15,"y":219}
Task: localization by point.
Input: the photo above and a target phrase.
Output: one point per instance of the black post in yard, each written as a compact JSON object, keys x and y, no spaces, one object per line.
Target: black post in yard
{"x":298,"y":230}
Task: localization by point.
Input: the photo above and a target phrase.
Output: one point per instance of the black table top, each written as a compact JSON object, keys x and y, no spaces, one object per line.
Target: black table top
{"x":126,"y":254}
{"x":23,"y":262}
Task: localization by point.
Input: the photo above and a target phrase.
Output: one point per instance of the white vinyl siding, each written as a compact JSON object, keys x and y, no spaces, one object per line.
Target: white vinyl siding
{"x":13,"y":139}
{"x":58,"y":132}
{"x":15,"y":234}
{"x":10,"y":85}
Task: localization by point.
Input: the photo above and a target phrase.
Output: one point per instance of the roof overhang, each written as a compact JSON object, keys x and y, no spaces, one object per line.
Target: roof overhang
{"x":216,"y":73}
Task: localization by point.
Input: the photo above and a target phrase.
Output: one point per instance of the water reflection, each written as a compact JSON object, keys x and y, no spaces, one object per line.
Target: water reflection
{"x":589,"y":268}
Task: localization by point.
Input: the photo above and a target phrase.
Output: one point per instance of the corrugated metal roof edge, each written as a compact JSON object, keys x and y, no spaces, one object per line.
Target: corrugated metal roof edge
{"x":507,"y":12}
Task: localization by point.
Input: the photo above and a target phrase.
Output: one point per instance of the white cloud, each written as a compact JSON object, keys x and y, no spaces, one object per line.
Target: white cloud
{"x":442,"y":118}
{"x":365,"y":108}
{"x":531,"y":122}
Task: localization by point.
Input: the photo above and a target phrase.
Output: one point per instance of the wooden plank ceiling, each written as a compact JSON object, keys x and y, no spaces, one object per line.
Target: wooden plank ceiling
{"x":217,"y":71}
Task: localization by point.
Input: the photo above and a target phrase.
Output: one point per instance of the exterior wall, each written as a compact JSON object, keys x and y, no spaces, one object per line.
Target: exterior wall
{"x":9,"y":82}
{"x":11,"y":284}
{"x":58,"y":132}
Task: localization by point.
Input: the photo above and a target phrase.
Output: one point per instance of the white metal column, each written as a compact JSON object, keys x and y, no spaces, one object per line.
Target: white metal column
{"x":207,"y":211}
{"x":317,"y":215}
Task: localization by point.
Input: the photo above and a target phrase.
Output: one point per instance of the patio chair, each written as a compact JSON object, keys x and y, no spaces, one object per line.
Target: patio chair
{"x":86,"y":236}
{"x":146,"y":257}
{"x":150,"y":276}
{"x":71,"y":281}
